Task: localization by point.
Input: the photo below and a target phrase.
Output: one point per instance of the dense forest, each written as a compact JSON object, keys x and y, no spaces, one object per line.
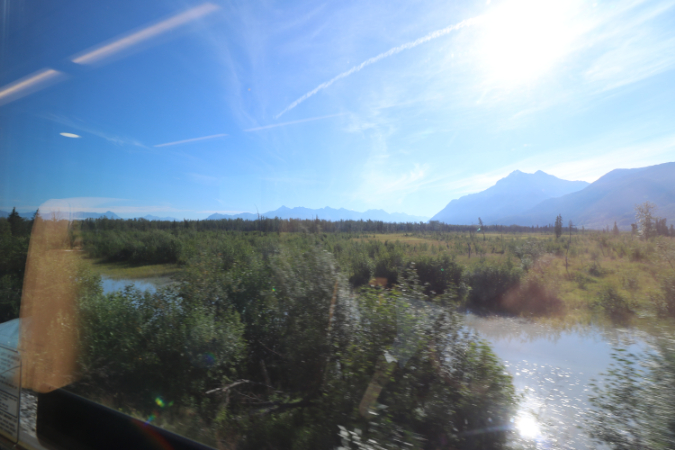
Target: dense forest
{"x":318,"y":337}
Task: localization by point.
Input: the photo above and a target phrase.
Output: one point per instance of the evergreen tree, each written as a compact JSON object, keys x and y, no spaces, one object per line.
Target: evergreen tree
{"x":615,"y":230}
{"x":558,"y":226}
{"x":15,"y":222}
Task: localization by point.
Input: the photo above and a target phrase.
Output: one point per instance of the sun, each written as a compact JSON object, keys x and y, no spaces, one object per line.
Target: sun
{"x":528,"y":427}
{"x":523,"y":39}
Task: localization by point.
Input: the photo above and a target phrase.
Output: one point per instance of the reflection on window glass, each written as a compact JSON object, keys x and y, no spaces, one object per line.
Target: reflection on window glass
{"x":357,"y":225}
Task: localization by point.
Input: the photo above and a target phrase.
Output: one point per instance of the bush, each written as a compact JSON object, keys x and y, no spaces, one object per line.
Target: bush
{"x":637,"y":254}
{"x":302,"y":351}
{"x":438,"y":275}
{"x":582,"y":280}
{"x":361,"y":271}
{"x":613,"y":303}
{"x":634,"y":408}
{"x":665,"y":301}
{"x":489,"y":284}
{"x":140,"y":345}
{"x":388,"y":266}
{"x":596,"y":270}
{"x":532,"y":297}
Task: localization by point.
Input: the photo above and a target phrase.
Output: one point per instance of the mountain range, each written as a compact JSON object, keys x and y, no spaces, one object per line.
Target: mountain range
{"x":516,"y":193}
{"x":611,"y":198}
{"x":151,"y":217}
{"x":526,"y":199}
{"x":326,"y":213}
{"x":536,"y":199}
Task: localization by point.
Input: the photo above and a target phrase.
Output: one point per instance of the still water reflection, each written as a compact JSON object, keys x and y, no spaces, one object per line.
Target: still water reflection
{"x":144,"y":284}
{"x":553,"y":368}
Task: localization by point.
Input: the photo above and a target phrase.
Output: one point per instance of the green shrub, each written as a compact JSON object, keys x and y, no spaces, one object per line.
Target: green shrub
{"x":361,"y":271}
{"x":489,"y":284}
{"x":532,"y":297}
{"x":582,"y":280}
{"x":596,"y":270}
{"x":438,"y":275}
{"x":634,"y":407}
{"x":665,"y":301}
{"x":141,"y":346}
{"x":637,"y":254}
{"x":613,"y":303}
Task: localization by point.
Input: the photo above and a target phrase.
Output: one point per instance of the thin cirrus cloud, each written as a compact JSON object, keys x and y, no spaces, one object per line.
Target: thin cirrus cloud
{"x":293,"y":122}
{"x":187,"y":141}
{"x":206,"y":180}
{"x":431,"y":36}
{"x":632,"y":62}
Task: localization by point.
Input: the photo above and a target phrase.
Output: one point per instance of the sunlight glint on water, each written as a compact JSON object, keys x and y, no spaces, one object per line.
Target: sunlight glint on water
{"x":552,"y":369}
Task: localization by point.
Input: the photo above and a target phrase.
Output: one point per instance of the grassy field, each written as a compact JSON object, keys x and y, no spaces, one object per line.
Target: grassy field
{"x":585,"y":274}
{"x":579,"y":270}
{"x":126,"y":271}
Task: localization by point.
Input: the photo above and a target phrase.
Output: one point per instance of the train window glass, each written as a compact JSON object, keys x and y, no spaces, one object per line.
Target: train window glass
{"x":407,"y":224}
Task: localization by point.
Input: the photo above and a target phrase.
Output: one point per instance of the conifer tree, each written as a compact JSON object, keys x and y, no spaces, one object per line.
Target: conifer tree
{"x":15,"y":222}
{"x":558,"y":226}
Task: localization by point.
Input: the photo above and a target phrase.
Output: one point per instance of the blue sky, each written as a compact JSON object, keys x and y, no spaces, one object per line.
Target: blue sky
{"x":189,"y":108}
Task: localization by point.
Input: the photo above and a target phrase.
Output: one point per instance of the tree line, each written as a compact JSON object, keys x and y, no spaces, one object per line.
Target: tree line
{"x":277,"y":225}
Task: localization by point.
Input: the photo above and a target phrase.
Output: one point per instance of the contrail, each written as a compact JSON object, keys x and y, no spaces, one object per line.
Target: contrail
{"x":374,"y":59}
{"x":185,"y":141}
{"x":292,"y":122}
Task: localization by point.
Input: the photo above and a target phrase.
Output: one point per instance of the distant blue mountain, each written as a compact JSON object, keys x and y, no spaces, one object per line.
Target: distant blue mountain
{"x":91,"y":215}
{"x":327,"y":213}
{"x":244,"y":216}
{"x":611,"y":198}
{"x":150,"y":217}
{"x":514,"y":194}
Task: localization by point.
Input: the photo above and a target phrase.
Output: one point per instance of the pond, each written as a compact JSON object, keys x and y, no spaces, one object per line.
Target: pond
{"x":552,"y":368}
{"x":150,"y":284}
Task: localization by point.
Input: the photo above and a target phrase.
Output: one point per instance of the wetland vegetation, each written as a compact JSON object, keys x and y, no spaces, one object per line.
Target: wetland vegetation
{"x":313,"y":334}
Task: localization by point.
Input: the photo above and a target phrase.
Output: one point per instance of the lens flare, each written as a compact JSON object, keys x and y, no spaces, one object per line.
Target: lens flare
{"x":209,"y":358}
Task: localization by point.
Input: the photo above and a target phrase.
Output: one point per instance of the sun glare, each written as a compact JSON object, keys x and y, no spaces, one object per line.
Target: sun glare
{"x":527,"y":427}
{"x":524,"y":38}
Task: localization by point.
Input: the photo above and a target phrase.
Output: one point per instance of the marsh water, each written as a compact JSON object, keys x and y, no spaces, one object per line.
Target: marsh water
{"x":150,"y":284}
{"x":552,"y":368}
